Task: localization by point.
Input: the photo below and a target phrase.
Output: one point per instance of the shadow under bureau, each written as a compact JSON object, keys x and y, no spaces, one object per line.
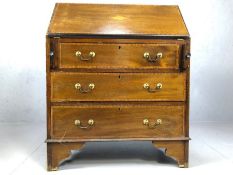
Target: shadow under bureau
{"x":117,"y":73}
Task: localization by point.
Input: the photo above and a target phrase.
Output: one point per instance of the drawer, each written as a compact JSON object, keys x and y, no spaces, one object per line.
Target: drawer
{"x":115,"y":121}
{"x":117,"y":87}
{"x":115,"y":56}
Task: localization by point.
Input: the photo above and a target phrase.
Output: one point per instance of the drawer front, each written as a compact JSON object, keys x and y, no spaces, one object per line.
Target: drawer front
{"x":115,"y":56}
{"x":117,"y":121}
{"x":117,"y":87}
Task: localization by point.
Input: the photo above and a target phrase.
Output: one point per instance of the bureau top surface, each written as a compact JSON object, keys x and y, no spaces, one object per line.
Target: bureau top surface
{"x":125,"y":20}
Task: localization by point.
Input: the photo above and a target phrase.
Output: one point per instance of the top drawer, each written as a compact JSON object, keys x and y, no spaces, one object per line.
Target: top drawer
{"x":119,"y":56}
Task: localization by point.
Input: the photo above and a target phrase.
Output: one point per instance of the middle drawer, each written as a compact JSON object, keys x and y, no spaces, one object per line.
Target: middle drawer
{"x":67,"y":86}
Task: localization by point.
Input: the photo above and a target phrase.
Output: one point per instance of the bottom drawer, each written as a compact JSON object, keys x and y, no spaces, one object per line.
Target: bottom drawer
{"x":115,"y":121}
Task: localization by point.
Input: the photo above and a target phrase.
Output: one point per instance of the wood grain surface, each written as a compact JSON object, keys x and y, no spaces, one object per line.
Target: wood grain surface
{"x":117,"y":87}
{"x":117,"y":121}
{"x":106,"y":19}
{"x":113,"y":56}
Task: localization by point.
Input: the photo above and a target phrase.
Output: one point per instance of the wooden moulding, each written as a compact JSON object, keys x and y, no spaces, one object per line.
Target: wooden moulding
{"x":114,"y":140}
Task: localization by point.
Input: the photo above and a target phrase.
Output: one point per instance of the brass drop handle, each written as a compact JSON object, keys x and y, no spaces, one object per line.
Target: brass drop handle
{"x":158,"y":86}
{"x":152,"y":125}
{"x":82,"y":58}
{"x":78,"y":86}
{"x":149,"y":58}
{"x":90,"y":123}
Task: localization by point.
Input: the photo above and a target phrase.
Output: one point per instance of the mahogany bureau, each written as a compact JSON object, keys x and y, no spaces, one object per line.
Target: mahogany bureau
{"x":117,"y":73}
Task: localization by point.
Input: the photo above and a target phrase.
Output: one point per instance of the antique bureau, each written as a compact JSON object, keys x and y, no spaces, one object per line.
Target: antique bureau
{"x":117,"y":73}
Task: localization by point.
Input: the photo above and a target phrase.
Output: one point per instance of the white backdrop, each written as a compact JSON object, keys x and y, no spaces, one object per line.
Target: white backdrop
{"x":23,"y":25}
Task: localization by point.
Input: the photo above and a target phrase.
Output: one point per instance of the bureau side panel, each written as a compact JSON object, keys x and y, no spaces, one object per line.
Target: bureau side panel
{"x":48,"y":84}
{"x":51,"y":54}
{"x":187,"y":64}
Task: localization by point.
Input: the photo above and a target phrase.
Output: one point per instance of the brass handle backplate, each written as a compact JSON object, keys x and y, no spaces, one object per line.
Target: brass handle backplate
{"x":158,"y":86}
{"x":149,"y":58}
{"x":152,"y":125}
{"x":90,"y":87}
{"x":90,"y":123}
{"x":82,"y":58}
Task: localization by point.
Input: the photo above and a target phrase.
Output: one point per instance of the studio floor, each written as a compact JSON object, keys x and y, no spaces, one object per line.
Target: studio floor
{"x":23,"y":151}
